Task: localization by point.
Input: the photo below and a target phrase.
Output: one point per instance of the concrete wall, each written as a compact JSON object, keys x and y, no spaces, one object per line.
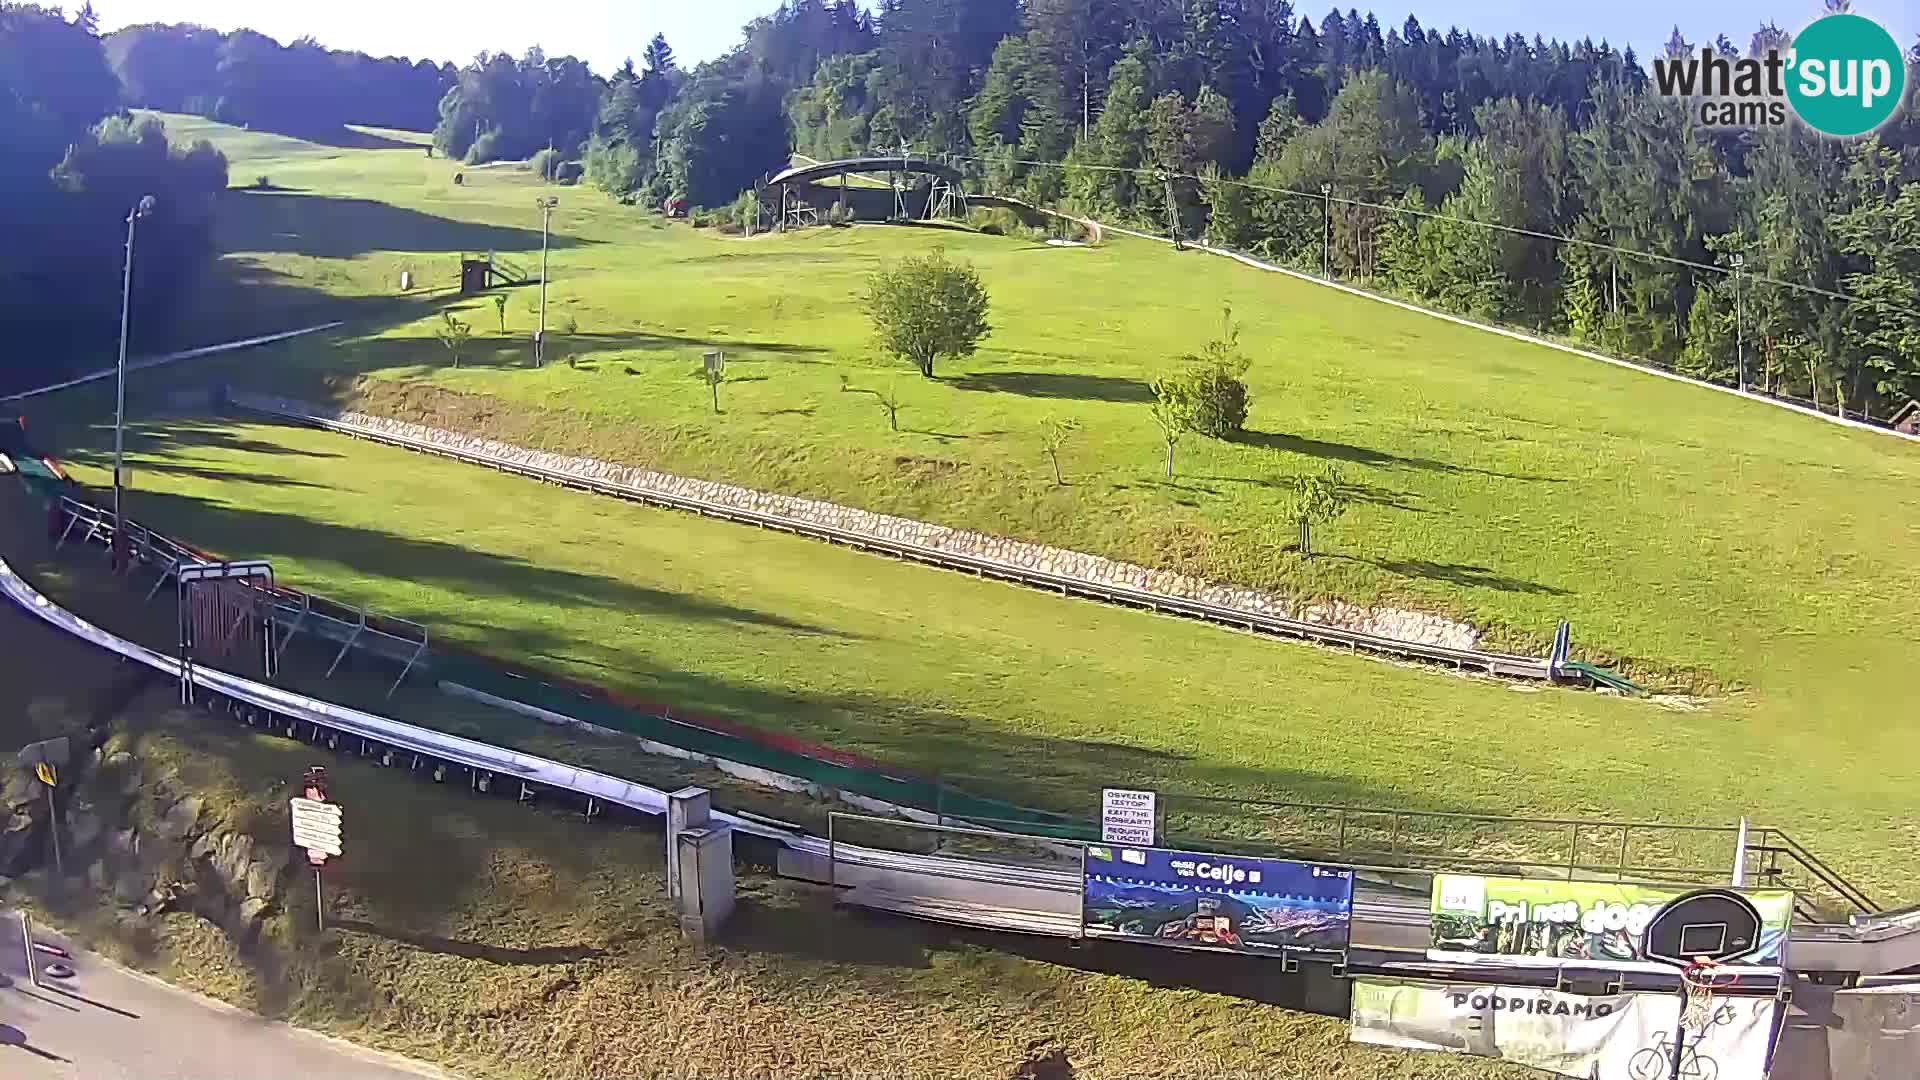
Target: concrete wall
{"x":1397,"y":623}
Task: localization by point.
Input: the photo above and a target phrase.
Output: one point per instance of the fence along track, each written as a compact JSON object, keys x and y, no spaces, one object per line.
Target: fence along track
{"x":1500,"y":664}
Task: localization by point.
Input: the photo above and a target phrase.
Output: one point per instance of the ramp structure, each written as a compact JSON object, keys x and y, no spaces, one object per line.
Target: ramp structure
{"x":915,"y":189}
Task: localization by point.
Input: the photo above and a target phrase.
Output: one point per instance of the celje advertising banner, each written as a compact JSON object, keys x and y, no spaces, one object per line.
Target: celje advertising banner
{"x":1530,"y":922}
{"x":1223,"y":902}
{"x":1608,"y":1037}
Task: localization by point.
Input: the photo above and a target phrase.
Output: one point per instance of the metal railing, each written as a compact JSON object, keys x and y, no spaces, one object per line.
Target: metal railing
{"x":1644,"y":852}
{"x":1503,"y":664}
{"x":1560,"y":846}
{"x":1820,"y":891}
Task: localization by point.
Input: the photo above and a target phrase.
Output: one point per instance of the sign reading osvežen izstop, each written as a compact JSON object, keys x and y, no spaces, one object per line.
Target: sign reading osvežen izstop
{"x":1126,"y":817}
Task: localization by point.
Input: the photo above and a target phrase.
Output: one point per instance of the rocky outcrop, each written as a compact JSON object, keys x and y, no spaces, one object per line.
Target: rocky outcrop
{"x":1398,"y":623}
{"x":167,"y":849}
{"x":139,"y":840}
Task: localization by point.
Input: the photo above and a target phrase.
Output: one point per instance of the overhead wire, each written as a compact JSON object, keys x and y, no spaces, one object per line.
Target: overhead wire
{"x":1512,"y":229}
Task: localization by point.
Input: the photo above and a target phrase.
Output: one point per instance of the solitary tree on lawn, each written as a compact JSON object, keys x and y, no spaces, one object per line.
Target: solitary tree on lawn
{"x":453,"y":333}
{"x":1318,"y":498}
{"x":925,"y":308}
{"x":1054,"y":433}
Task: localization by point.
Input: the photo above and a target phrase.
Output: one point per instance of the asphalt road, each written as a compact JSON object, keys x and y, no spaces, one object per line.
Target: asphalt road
{"x":108,"y":1023}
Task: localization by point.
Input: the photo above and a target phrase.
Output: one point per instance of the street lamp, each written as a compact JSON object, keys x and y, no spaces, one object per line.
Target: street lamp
{"x":1739,"y":325}
{"x":141,"y":209}
{"x":546,"y":203}
{"x":1326,"y":231}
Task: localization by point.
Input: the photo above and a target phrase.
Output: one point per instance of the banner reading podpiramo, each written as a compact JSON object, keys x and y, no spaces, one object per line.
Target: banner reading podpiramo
{"x":1604,"y":1037}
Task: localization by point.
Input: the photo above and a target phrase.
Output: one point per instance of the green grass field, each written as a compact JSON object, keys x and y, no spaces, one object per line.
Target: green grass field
{"x":1764,"y":558}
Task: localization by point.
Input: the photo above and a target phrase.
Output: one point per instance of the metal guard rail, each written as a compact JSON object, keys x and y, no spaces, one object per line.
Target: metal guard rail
{"x":1504,"y":664}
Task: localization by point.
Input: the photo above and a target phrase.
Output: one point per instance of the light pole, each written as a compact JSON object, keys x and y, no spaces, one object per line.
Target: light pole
{"x":140,"y":210}
{"x":1739,"y":326}
{"x":1173,"y":210}
{"x":546,"y":203}
{"x":1326,"y":231}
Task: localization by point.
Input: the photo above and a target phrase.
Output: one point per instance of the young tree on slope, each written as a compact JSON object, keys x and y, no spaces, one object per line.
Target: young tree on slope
{"x":926,"y":308}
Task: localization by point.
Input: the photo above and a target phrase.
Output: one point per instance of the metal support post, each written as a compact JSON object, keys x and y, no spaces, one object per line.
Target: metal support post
{"x":1740,"y":855}
{"x":53,"y":830}
{"x":1326,"y":241}
{"x":1739,"y":327}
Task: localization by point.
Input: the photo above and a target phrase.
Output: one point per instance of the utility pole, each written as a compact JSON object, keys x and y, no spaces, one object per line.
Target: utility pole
{"x":1086,"y":102}
{"x":1326,"y":231}
{"x":1173,"y":213}
{"x":1739,"y":326}
{"x":140,"y":210}
{"x":546,"y":204}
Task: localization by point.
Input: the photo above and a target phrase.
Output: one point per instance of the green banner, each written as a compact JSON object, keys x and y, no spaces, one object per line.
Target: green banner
{"x":1534,"y":922}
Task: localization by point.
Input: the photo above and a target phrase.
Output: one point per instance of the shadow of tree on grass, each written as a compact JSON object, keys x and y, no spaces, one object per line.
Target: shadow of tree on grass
{"x":243,"y":532}
{"x":1464,"y":574}
{"x":1364,"y":455}
{"x":333,"y":227}
{"x":1050,"y":384}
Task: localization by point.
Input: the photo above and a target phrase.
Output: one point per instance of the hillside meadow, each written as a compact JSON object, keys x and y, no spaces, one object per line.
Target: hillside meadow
{"x":1762,"y":560}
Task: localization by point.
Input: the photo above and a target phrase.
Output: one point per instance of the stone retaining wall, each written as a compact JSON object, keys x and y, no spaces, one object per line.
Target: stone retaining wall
{"x":1398,"y":623}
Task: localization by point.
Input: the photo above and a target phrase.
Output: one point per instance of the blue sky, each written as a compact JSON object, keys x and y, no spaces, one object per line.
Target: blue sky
{"x":605,"y":32}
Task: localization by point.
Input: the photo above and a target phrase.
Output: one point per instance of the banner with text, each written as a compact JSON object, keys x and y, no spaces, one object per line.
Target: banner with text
{"x":1606,"y":1037}
{"x":1534,"y":923}
{"x":1223,"y":902}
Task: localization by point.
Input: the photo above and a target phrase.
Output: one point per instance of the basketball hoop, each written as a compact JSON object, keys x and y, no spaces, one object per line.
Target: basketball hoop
{"x":1700,"y":980}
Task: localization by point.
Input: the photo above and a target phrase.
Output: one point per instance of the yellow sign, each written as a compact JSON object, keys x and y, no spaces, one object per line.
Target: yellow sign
{"x":45,"y":772}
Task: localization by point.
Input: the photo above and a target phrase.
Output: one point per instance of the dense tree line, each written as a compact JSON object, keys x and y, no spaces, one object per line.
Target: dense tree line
{"x":503,"y":108}
{"x":708,"y":134}
{"x":251,"y":79}
{"x":73,"y":166}
{"x":1378,"y":153}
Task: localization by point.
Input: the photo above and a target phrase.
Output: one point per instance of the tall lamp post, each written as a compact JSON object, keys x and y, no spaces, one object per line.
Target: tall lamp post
{"x":546,"y":203}
{"x":1326,"y":231}
{"x":141,"y":209}
{"x":1739,"y":326}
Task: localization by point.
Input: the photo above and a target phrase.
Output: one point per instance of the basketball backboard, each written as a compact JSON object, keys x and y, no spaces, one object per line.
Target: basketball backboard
{"x":1714,"y":924}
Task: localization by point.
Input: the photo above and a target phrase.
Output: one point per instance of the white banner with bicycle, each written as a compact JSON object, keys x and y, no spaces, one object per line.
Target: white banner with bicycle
{"x":1603,"y":1037}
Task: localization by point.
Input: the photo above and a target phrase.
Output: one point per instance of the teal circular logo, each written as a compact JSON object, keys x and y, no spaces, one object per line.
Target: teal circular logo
{"x":1845,"y":75}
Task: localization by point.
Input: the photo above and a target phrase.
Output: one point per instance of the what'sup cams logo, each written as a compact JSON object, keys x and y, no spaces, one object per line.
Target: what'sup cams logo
{"x":1842,"y":76}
